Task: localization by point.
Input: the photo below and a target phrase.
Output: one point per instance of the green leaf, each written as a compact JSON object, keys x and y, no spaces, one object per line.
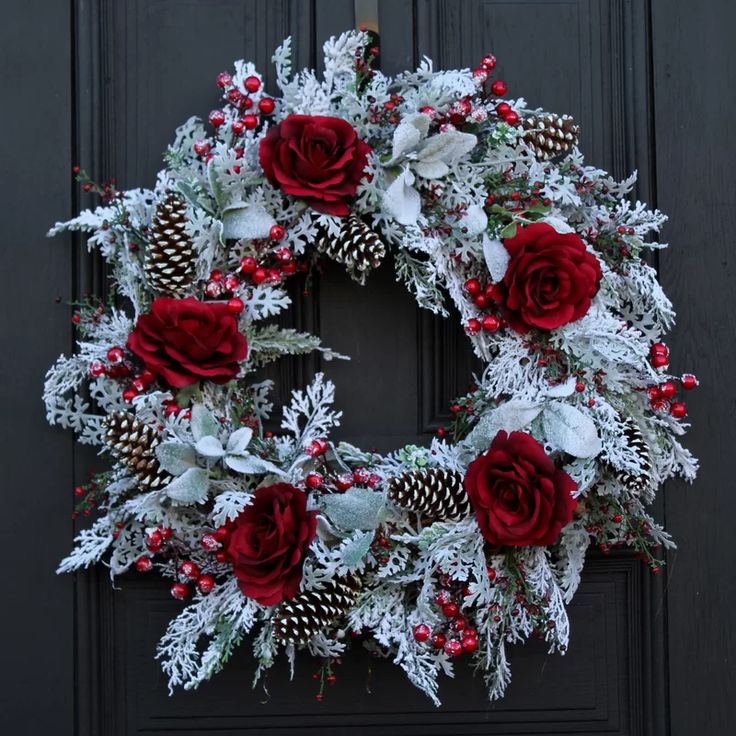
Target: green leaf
{"x":189,"y":488}
{"x":203,"y":423}
{"x":509,"y":231}
{"x":175,"y":457}
{"x":357,"y":508}
{"x":251,"y":465}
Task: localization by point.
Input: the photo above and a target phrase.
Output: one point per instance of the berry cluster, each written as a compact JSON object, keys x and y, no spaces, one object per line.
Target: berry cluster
{"x":484,"y":298}
{"x":662,"y":396}
{"x":454,"y":636}
{"x":326,"y":479}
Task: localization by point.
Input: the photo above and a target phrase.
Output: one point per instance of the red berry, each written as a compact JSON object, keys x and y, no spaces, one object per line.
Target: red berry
{"x":189,"y":570}
{"x":116,"y":355}
{"x":235,"y":96}
{"x":235,"y":306}
{"x":222,"y":533}
{"x":154,"y":540}
{"x":480,"y":301}
{"x":248,"y":265}
{"x":201,"y":148}
{"x":659,"y":348}
{"x":205,"y":583}
{"x":259,"y":275}
{"x":221,"y":555}
{"x":315,"y":480}
{"x":689,"y":381}
{"x":129,"y":394}
{"x":331,"y":679}
{"x":491,"y":574}
{"x":209,"y":542}
{"x":266,"y":105}
{"x":276,"y":232}
{"x":97,"y":369}
{"x":317,"y":447}
{"x":143,"y":564}
{"x":473,"y":326}
{"x":459,"y":623}
{"x":659,"y":361}
{"x":224,"y":80}
{"x":250,"y":121}
{"x":180,"y":591}
{"x":469,"y":644}
{"x":422,"y":632}
{"x":668,"y":390}
{"x":503,"y":109}
{"x":678,"y":410}
{"x":617,"y":518}
{"x":438,"y":641}
{"x":360,"y":476}
{"x":344,"y":481}
{"x":580,"y":386}
{"x":449,"y":610}
{"x":490,"y":323}
{"x":472,"y":286}
{"x":488,"y":62}
{"x":217,"y":118}
{"x":512,"y":118}
{"x":252,"y":84}
{"x":231,"y":282}
{"x":654,"y":393}
{"x":238,"y":127}
{"x":443,"y":597}
{"x":499,"y":88}
{"x":79,"y":491}
{"x":453,"y":648}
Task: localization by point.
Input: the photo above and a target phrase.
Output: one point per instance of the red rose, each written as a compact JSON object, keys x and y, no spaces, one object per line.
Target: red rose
{"x":550,"y":280}
{"x":269,"y":542}
{"x":520,"y":497}
{"x":318,"y":159}
{"x":185,"y":340}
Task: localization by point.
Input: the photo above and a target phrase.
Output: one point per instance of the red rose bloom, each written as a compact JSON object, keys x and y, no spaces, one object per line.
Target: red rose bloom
{"x":269,"y":542}
{"x":550,"y":280}
{"x":319,"y":159}
{"x":520,"y":497}
{"x":185,"y":340}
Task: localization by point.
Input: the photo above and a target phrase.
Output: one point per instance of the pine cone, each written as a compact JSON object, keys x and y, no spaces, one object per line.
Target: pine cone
{"x":550,"y":135}
{"x":170,"y":257}
{"x":356,"y":246}
{"x":313,"y":611}
{"x":133,"y":443}
{"x":436,"y":493}
{"x":635,"y":483}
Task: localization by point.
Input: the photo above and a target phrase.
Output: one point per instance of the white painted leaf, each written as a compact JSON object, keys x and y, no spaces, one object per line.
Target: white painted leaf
{"x":511,"y":417}
{"x":475,"y":220}
{"x":190,"y":487}
{"x":246,"y":221}
{"x":566,"y":428}
{"x":203,"y":423}
{"x":497,"y":258}
{"x":558,"y":224}
{"x":356,"y":548}
{"x":210,"y":447}
{"x":562,"y":390}
{"x":357,"y":508}
{"x":408,"y":133}
{"x":401,"y":201}
{"x":446,"y":147}
{"x":431,"y":169}
{"x":239,"y":440}
{"x":175,"y":457}
{"x":251,"y":465}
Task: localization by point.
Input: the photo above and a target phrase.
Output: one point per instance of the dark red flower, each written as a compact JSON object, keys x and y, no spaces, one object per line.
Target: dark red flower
{"x":318,"y":159}
{"x":550,"y":280}
{"x":520,"y":497}
{"x":184,"y":340}
{"x":269,"y":542}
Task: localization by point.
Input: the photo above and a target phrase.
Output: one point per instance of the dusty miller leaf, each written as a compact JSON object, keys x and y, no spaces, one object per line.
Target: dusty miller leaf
{"x":189,"y":488}
{"x":175,"y":457}
{"x":357,"y":508}
{"x":203,"y":424}
{"x":568,"y":429}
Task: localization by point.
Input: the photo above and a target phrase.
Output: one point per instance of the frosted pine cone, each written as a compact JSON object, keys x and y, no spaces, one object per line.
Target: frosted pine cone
{"x":636,"y":483}
{"x":134,"y":443}
{"x":356,"y":246}
{"x":550,"y":135}
{"x":315,"y":611}
{"x":170,"y":257}
{"x":435,"y":493}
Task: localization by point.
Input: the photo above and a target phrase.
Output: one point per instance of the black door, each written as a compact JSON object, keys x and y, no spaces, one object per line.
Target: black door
{"x":103,"y":83}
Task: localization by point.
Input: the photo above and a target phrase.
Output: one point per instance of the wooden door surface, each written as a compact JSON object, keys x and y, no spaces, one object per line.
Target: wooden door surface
{"x":104,"y":83}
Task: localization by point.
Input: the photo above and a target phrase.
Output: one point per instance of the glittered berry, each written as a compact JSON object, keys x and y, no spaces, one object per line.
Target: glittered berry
{"x":248,"y":265}
{"x":224,"y":80}
{"x":209,"y":542}
{"x":143,"y":563}
{"x":116,"y":355}
{"x":438,"y":641}
{"x":217,"y":118}
{"x":189,"y":570}
{"x":129,"y":394}
{"x":668,"y":390}
{"x":580,"y":386}
{"x":205,"y":583}
{"x":499,"y":88}
{"x":473,"y":326}
{"x":443,"y":597}
{"x":344,"y":481}
{"x":180,"y":591}
{"x":469,"y":644}
{"x":488,"y":62}
{"x":449,"y":610}
{"x":97,"y":369}
{"x":659,"y":361}
{"x":422,"y":632}
{"x":259,"y":275}
{"x":689,"y":381}
{"x":250,"y":121}
{"x":222,"y":533}
{"x":317,"y":447}
{"x":201,"y":148}
{"x":238,"y":127}
{"x":315,"y":480}
{"x":453,"y":648}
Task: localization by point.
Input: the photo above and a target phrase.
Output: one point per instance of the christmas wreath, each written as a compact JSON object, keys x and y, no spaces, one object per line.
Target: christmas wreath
{"x":427,"y":555}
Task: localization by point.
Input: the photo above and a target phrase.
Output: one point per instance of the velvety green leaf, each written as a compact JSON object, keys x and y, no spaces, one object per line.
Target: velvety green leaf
{"x":175,"y":457}
{"x":203,"y":424}
{"x":210,"y":447}
{"x":189,"y":488}
{"x":357,"y":508}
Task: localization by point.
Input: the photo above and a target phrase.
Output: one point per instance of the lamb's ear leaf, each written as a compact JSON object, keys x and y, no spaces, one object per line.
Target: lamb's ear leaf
{"x":357,"y":508}
{"x":210,"y":446}
{"x":510,"y":416}
{"x":566,"y":428}
{"x":189,"y":488}
{"x":202,"y":423}
{"x":175,"y":457}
